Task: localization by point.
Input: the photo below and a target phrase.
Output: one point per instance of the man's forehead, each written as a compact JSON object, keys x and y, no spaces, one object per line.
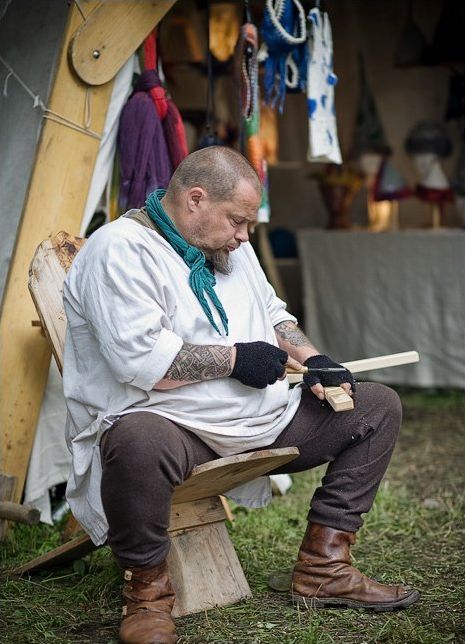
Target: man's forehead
{"x":247,"y":194}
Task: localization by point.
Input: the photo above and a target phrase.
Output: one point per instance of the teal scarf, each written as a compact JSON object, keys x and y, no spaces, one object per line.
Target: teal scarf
{"x":200,"y":278}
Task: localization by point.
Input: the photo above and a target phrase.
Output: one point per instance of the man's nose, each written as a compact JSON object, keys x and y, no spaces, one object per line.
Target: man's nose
{"x":242,"y":233}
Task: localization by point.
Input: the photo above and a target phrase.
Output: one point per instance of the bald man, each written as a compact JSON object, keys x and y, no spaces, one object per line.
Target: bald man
{"x":175,"y":355}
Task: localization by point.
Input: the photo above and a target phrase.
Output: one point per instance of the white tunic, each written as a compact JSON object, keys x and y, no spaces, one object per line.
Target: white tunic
{"x":129,"y":309}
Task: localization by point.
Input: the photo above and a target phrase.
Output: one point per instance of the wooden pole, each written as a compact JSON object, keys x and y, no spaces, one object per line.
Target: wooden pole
{"x":17,"y":512}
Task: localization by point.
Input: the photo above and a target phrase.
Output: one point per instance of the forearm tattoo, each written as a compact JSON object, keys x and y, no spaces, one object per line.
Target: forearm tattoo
{"x":200,"y":362}
{"x":290,"y":332}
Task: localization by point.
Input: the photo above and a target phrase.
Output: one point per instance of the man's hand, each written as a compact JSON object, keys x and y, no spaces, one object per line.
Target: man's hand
{"x":259,"y":364}
{"x":316,"y":380}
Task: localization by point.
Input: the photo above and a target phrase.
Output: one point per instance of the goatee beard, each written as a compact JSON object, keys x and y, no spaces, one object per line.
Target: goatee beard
{"x":220,"y":261}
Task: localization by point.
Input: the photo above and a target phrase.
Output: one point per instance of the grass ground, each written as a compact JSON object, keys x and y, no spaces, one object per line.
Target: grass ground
{"x":415,"y":533}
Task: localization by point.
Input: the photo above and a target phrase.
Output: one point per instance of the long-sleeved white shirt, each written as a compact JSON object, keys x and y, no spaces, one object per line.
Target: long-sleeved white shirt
{"x":129,"y":309}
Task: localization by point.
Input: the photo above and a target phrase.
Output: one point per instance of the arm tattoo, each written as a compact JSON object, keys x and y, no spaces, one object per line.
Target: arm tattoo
{"x":200,"y":362}
{"x":289,"y":331}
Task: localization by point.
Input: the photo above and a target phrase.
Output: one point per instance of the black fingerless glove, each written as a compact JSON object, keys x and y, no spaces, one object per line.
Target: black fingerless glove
{"x":326,"y":378}
{"x":258,"y":364}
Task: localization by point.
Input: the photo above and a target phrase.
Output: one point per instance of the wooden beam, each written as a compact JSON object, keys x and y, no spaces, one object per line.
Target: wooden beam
{"x":99,"y":47}
{"x":55,"y":201}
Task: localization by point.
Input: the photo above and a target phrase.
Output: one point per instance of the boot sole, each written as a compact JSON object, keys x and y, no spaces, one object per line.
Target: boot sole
{"x":341,"y":603}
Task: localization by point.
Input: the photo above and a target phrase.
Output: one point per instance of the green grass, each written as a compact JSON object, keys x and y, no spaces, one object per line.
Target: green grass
{"x":414,"y":533}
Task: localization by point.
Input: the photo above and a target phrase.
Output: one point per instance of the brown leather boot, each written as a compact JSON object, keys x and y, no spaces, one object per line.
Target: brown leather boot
{"x":323,"y":576}
{"x":149,"y":599}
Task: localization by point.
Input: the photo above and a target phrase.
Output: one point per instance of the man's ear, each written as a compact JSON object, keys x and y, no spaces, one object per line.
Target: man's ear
{"x":195,"y":196}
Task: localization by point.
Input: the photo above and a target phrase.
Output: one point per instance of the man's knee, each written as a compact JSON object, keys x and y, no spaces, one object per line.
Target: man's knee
{"x":382,"y":407}
{"x":389,"y":401}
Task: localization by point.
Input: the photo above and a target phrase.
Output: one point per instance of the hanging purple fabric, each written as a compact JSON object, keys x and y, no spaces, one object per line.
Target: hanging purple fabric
{"x":144,"y":159}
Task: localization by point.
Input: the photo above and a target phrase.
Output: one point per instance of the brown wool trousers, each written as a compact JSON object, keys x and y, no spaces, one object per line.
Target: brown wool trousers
{"x":144,"y":456}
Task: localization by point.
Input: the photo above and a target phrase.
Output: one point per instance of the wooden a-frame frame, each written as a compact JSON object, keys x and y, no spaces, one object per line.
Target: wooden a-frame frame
{"x":56,"y":198}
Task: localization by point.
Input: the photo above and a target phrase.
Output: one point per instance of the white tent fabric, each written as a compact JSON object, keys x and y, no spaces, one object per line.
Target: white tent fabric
{"x":50,"y":458}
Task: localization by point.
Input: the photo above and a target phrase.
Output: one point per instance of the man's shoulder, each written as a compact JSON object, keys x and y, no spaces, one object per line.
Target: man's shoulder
{"x":121,"y":233}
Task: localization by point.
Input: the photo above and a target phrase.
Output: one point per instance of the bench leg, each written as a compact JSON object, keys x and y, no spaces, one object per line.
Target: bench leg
{"x":205,"y":570}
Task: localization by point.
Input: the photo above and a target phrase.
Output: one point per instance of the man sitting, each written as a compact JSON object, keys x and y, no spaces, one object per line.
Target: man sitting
{"x":175,"y":355}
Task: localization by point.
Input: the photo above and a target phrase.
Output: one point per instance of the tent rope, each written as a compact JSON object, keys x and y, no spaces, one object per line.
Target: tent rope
{"x":48,"y":113}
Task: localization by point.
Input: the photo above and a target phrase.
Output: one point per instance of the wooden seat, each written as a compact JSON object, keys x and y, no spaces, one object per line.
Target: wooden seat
{"x":203,"y":564}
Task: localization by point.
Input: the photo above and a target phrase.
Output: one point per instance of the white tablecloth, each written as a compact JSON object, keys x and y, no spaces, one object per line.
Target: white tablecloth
{"x":367,"y":294}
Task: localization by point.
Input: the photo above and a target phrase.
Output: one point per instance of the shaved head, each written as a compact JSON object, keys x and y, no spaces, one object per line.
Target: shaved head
{"x":216,"y":169}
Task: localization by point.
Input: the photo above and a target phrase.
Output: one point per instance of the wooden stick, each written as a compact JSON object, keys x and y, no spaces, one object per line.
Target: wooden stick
{"x":366,"y":364}
{"x":20,"y":513}
{"x":381,"y":362}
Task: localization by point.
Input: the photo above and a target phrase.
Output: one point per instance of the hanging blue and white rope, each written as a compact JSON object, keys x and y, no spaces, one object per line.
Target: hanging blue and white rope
{"x":284,"y":31}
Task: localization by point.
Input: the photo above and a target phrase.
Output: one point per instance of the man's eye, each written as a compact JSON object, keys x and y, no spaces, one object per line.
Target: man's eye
{"x":236,"y":222}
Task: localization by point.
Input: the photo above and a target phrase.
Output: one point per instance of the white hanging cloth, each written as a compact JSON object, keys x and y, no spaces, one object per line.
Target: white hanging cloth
{"x":321,"y":80}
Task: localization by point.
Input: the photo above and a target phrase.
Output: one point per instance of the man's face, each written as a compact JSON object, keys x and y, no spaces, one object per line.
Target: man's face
{"x":219,"y":228}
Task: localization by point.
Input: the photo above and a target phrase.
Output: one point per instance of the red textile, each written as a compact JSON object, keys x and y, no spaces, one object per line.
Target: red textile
{"x":173,"y":127}
{"x":434,"y":195}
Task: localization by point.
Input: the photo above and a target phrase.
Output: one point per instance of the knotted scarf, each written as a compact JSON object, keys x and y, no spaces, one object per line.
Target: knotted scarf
{"x":200,"y":279}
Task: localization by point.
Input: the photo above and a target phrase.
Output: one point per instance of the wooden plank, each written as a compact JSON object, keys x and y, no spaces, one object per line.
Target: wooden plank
{"x":367,"y":364}
{"x":217,"y":477}
{"x":56,"y":199}
{"x":47,"y":272}
{"x":205,"y":570}
{"x":195,"y":513}
{"x":65,"y":554}
{"x":7,"y":493}
{"x":99,"y":47}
